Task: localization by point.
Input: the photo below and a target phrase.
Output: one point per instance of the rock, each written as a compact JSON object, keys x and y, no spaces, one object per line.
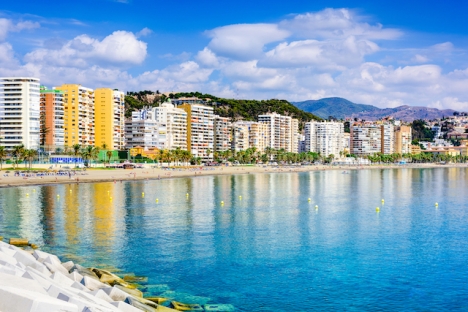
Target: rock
{"x":77,"y":277}
{"x":93,"y":284}
{"x":33,"y":246}
{"x":19,"y":241}
{"x":116,"y":294}
{"x":20,"y":283}
{"x":133,"y":292}
{"x":68,"y":265}
{"x":13,"y":299}
{"x":124,"y":307}
{"x":137,"y":304}
{"x":55,"y":268}
{"x":62,"y":279}
{"x":84,"y":271}
{"x":131,"y":278}
{"x":157,"y":300}
{"x":29,"y":261}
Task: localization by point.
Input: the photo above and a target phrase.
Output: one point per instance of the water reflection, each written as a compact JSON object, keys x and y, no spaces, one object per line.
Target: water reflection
{"x":266,"y":239}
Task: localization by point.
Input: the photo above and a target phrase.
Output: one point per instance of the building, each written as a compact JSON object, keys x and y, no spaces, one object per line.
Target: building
{"x":222,"y":134}
{"x":325,"y":138}
{"x":175,"y":121}
{"x":141,"y":131}
{"x":346,"y":143}
{"x":387,"y":139}
{"x":19,"y":112}
{"x":403,"y":139}
{"x":240,"y":137}
{"x":295,"y":135}
{"x":109,"y":115}
{"x":52,"y":119}
{"x":365,"y":139}
{"x":281,"y":131}
{"x":200,"y":130}
{"x":79,"y":114}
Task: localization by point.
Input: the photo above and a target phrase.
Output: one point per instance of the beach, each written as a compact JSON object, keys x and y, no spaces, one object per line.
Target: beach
{"x":149,"y":172}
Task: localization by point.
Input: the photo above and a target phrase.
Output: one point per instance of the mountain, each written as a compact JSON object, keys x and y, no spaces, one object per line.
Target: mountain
{"x":341,"y":108}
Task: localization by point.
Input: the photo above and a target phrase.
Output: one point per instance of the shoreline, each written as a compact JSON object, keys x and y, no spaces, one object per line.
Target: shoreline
{"x":119,"y":175}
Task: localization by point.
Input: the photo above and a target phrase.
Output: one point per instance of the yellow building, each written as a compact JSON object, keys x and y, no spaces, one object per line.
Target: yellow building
{"x":78,"y":104}
{"x":402,"y":139}
{"x":110,"y":118}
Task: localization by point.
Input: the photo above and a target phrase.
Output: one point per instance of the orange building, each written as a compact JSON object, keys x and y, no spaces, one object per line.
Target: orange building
{"x":51,"y":117}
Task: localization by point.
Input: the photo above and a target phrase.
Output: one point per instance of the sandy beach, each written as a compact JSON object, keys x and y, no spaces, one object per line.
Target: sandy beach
{"x":150,"y":173}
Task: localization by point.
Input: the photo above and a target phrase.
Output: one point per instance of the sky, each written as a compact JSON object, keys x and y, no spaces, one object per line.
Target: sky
{"x":385,"y":54}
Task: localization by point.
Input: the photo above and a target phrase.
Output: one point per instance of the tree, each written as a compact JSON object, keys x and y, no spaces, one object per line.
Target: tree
{"x":18,"y":153}
{"x":76,"y":150}
{"x":3,"y":154}
{"x":30,"y":154}
{"x":109,"y":156}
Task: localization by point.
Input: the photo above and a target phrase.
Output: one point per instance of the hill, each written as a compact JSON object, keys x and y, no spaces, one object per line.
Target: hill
{"x":337,"y":107}
{"x":341,"y":108}
{"x":232,"y":108}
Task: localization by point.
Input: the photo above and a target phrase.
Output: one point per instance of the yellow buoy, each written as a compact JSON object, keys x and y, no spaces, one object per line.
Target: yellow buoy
{"x":383,"y":200}
{"x":187,"y":194}
{"x":377,"y":209}
{"x":240,"y":197}
{"x":34,"y":190}
{"x":58,"y":195}
{"x":222,"y":202}
{"x":157,"y":200}
{"x":110,"y":198}
{"x":142,"y":193}
{"x":437,"y":204}
{"x":27,"y":194}
{"x":316,"y":206}
{"x":308,"y":199}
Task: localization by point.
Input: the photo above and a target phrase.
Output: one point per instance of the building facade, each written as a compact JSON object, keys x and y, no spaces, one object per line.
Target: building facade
{"x":52,"y":120}
{"x":20,"y":112}
{"x":109,"y":114}
{"x":141,"y":131}
{"x":200,"y":130}
{"x":280,"y":131}
{"x":222,"y":134}
{"x":365,"y":139}
{"x":240,"y":137}
{"x":325,"y":138}
{"x":403,"y":139}
{"x":175,"y":121}
{"x":79,"y":119}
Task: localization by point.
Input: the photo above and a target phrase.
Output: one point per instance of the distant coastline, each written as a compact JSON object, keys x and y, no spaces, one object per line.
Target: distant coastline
{"x":148,"y":173}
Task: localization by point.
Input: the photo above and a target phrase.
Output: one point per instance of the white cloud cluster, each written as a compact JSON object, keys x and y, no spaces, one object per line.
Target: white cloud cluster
{"x":334,"y":52}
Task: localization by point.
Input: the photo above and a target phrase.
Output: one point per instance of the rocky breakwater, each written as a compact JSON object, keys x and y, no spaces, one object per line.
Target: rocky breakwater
{"x":36,"y":281}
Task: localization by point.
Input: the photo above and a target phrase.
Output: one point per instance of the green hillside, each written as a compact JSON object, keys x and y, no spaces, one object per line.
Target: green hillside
{"x":335,"y":106}
{"x":232,"y":108}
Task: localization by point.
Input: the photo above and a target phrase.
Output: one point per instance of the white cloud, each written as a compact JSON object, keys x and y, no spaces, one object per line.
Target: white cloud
{"x":144,"y":32}
{"x":121,"y":47}
{"x":244,"y":41}
{"x":418,"y":58}
{"x":207,"y":58}
{"x":7,"y":26}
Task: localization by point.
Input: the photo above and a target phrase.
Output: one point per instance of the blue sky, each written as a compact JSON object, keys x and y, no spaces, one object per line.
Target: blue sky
{"x":403,"y":53}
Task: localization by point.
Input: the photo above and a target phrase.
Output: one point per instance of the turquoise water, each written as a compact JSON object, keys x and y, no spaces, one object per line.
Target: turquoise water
{"x":270,"y":250}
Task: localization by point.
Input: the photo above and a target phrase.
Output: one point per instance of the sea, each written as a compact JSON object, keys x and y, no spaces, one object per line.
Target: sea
{"x":357,"y":240}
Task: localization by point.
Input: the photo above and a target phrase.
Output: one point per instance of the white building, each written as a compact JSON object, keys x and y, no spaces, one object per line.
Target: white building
{"x":388,"y":139}
{"x":19,"y":112}
{"x":175,"y":121}
{"x":142,"y":131}
{"x":282,"y":131}
{"x":325,"y":138}
{"x":365,"y":139}
{"x":222,"y":134}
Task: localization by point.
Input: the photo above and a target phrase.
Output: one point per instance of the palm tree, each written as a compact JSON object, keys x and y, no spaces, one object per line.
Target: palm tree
{"x":17,"y":153}
{"x":3,"y":154}
{"x":30,"y":154}
{"x":76,"y":151}
{"x":109,"y":156}
{"x":104,"y":148}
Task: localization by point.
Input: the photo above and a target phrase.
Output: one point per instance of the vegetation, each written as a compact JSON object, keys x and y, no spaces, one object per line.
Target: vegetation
{"x":420,"y":131}
{"x":3,"y":154}
{"x":416,"y":158}
{"x":232,"y":108}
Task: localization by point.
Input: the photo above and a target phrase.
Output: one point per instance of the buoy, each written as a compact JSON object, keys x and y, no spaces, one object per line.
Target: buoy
{"x":186,"y":195}
{"x":58,"y":195}
{"x":377,"y":209}
{"x":222,"y":202}
{"x":240,"y":197}
{"x":157,"y":200}
{"x":143,"y":194}
{"x":34,"y":190}
{"x":316,"y":206}
{"x":110,"y":198}
{"x":70,"y":190}
{"x":383,"y":200}
{"x":308,"y":199}
{"x":27,"y":194}
{"x":437,"y":204}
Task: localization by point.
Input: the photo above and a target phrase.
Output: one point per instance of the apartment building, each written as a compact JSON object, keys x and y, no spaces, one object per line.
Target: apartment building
{"x":257,"y":134}
{"x":79,"y":114}
{"x":403,"y":139}
{"x":325,"y":138}
{"x":240,"y":137}
{"x":142,"y":131}
{"x":387,"y":139}
{"x":19,"y":112}
{"x":222,"y":134}
{"x":52,"y":119}
{"x":280,"y":131}
{"x":109,"y":115}
{"x":295,"y":135}
{"x":365,"y":139}
{"x":175,"y":121}
{"x":200,"y":130}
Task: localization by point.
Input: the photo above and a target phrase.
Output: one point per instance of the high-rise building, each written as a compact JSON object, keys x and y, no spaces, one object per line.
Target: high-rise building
{"x":295,"y":135}
{"x":175,"y":121}
{"x":368,"y":139}
{"x":240,"y":137}
{"x":19,"y":112}
{"x":200,"y":130}
{"x":403,"y":139}
{"x":281,"y":132}
{"x":325,"y":138}
{"x":79,"y":114}
{"x":257,"y":135}
{"x":141,"y":131}
{"x":52,"y":119}
{"x":222,"y":134}
{"x":109,"y":115}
